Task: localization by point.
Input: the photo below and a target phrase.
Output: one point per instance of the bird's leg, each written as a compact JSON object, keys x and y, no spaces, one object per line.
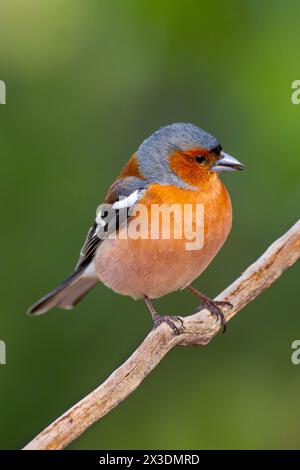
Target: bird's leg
{"x":212,"y":305}
{"x":158,"y":319}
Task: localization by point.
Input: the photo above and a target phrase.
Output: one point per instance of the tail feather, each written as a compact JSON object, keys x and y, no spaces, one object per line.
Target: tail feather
{"x":67,"y":294}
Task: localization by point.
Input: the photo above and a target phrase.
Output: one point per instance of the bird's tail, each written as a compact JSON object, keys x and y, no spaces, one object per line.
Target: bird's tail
{"x":67,"y":294}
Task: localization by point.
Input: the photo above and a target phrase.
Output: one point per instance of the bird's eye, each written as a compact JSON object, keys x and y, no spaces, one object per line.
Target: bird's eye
{"x":200,"y":159}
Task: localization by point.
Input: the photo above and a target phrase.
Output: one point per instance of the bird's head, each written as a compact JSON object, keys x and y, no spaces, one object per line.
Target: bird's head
{"x":183,"y":155}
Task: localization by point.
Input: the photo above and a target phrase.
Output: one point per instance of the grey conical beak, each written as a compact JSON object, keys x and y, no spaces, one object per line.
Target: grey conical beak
{"x":227,"y":163}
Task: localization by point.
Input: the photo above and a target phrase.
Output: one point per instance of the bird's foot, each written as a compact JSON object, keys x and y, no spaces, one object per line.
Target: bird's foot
{"x":158,"y":319}
{"x":169,"y":320}
{"x":214,"y":307}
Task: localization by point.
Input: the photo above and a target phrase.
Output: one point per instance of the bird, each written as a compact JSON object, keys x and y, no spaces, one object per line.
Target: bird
{"x":179,"y":164}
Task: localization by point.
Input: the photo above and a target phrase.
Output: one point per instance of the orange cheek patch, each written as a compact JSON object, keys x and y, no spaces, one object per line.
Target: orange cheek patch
{"x":185,"y":166}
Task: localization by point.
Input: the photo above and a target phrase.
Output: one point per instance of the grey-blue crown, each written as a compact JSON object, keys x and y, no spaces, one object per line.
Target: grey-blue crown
{"x":154,"y":152}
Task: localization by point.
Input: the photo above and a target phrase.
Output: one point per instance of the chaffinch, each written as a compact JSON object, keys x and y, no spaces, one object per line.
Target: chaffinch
{"x":177,"y":165}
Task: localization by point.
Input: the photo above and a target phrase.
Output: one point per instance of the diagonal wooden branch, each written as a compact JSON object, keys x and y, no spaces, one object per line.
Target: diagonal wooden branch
{"x":198,"y":329}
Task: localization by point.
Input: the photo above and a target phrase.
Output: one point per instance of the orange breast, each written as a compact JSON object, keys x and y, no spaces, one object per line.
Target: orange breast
{"x":155,"y":267}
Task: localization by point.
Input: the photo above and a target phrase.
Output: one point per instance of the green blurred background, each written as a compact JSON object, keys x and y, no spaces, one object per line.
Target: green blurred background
{"x":87,"y":81}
